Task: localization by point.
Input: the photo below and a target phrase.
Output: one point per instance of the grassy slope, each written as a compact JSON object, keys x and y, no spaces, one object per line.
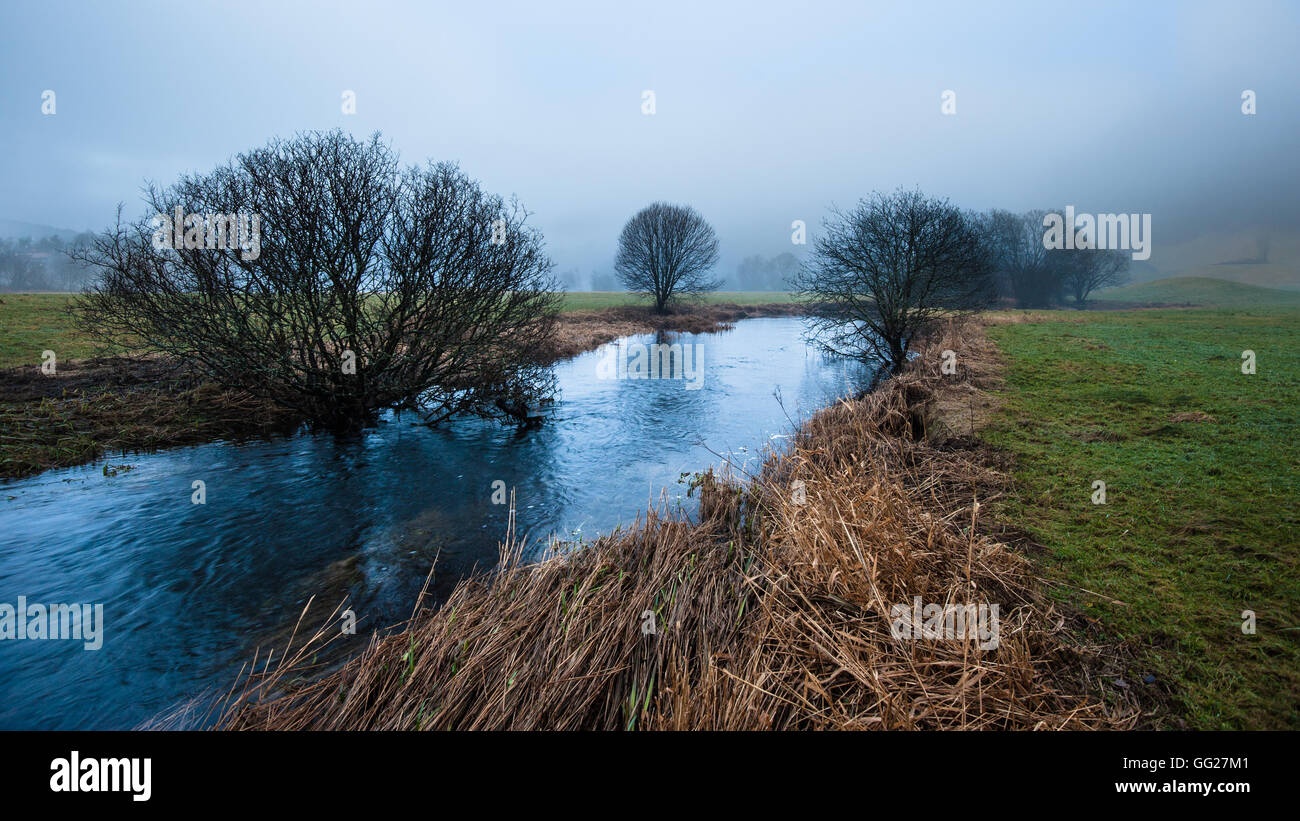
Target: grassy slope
{"x":32,"y":323}
{"x":1200,"y":521}
{"x":1273,"y":276}
{"x":1199,"y":291}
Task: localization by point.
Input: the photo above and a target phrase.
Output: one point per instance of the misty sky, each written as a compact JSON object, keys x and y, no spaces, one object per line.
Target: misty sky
{"x":765,"y":113}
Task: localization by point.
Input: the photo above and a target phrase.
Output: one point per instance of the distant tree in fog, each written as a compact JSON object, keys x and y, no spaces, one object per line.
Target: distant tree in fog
{"x":571,"y":280}
{"x":45,"y":264}
{"x":882,"y":271}
{"x":603,"y":281}
{"x":666,"y":251}
{"x":785,"y":267}
{"x":759,"y":273}
{"x":1022,"y":264}
{"x":21,"y":269}
{"x":1038,"y":277}
{"x":751,"y":274}
{"x":1088,"y":270}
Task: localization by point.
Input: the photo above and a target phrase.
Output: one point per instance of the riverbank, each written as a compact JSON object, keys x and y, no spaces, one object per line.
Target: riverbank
{"x":107,"y":407}
{"x":99,"y":407}
{"x":788,"y":605}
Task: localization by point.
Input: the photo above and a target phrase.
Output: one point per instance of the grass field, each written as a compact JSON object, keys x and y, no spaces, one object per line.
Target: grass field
{"x":1199,"y":291}
{"x":589,"y":300}
{"x":1202,"y":473}
{"x":32,"y":323}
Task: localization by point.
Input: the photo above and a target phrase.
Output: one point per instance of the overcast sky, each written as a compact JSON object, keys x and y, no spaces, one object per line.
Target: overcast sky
{"x":765,"y":113}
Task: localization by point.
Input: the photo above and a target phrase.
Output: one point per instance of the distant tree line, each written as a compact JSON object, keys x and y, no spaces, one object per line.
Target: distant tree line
{"x":882,"y":271}
{"x":44,"y":264}
{"x":1029,"y":275}
{"x":759,"y":273}
{"x":1022,"y":272}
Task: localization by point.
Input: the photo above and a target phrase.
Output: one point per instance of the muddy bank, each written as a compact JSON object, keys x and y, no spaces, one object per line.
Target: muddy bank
{"x":105,"y":407}
{"x":102,"y":408}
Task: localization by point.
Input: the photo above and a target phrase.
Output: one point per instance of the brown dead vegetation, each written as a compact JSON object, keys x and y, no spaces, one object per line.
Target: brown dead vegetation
{"x":771,"y":612}
{"x":94,"y":408}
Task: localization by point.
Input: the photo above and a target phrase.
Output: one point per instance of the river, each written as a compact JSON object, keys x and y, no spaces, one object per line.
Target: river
{"x":189,"y":590}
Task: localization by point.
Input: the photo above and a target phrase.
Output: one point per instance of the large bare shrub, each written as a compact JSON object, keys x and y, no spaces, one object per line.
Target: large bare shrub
{"x":375,"y":285}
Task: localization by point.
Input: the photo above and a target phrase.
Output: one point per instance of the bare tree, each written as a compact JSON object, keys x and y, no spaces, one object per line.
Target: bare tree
{"x":759,"y":273}
{"x":1020,"y":259}
{"x":753,"y":273}
{"x":666,"y":251}
{"x":371,"y":286}
{"x":882,"y":271}
{"x":785,"y":267}
{"x":23,"y":266}
{"x":1088,"y":270}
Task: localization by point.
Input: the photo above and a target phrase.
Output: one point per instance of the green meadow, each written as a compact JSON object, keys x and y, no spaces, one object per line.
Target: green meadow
{"x":1202,"y":476}
{"x":31,"y":323}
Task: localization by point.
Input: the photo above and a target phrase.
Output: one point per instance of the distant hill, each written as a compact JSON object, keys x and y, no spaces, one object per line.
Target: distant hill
{"x":1269,"y":258}
{"x":1199,"y":291}
{"x":15,"y":229}
{"x":1266,"y":274}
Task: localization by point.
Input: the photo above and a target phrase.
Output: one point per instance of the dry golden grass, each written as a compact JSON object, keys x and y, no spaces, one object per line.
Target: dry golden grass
{"x":770,"y":612}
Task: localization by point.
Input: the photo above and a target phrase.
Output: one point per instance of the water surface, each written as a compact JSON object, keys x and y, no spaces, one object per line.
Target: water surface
{"x":190,"y":590}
